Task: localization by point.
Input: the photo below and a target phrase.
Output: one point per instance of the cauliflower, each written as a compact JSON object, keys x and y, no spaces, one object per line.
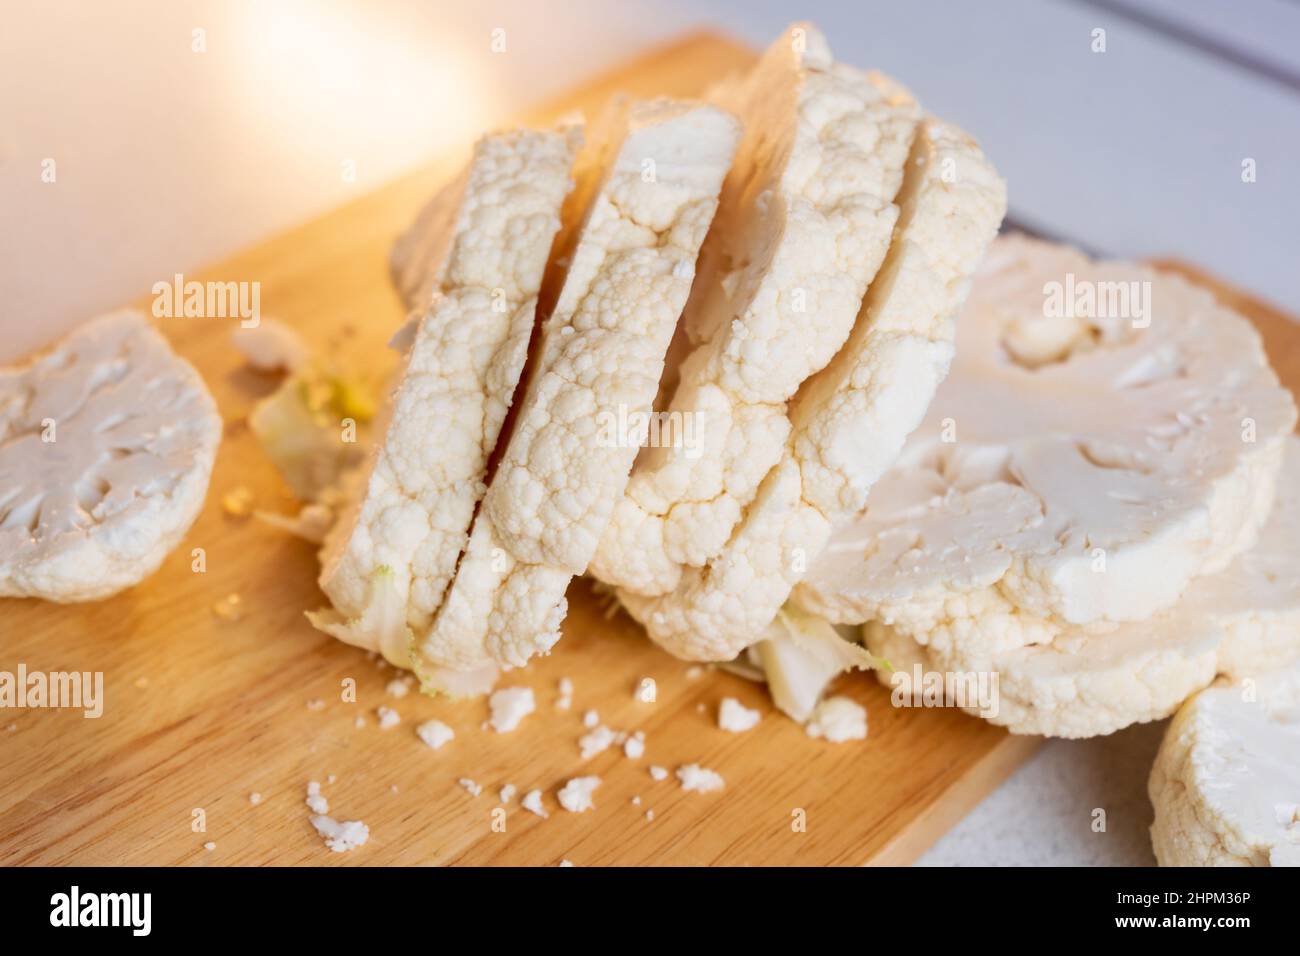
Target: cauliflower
{"x":1083,"y":485}
{"x":1243,"y":620}
{"x":848,"y":420}
{"x":1226,"y":783}
{"x":647,"y":194}
{"x":107,"y":443}
{"x":419,"y":491}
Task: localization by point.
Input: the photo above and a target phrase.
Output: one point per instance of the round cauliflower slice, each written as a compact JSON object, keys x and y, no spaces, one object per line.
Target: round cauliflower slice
{"x":653,"y":188}
{"x":850,"y":419}
{"x":1085,"y":682}
{"x":804,"y":219}
{"x":1107,"y":433}
{"x":476,"y":256}
{"x":1226,"y":782}
{"x":107,"y":442}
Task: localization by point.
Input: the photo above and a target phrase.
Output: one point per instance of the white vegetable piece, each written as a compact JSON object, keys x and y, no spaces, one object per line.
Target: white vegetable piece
{"x":649,"y":188}
{"x":801,"y":654}
{"x":1071,"y":471}
{"x":1243,"y":620}
{"x":849,"y":420}
{"x":398,"y":544}
{"x":271,"y":346}
{"x":804,"y":220}
{"x":107,"y":442}
{"x":838,"y":719}
{"x":1226,"y":782}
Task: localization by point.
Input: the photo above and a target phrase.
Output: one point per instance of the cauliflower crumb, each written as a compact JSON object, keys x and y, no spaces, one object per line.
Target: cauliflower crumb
{"x":735,"y":717}
{"x":397,"y":687}
{"x":209,"y":846}
{"x":694,"y":672}
{"x":565,"y":700}
{"x":388,"y":718}
{"x":565,"y":863}
{"x":315,"y":799}
{"x":658,"y":773}
{"x":596,"y":742}
{"x":359,"y":722}
{"x":472,"y":788}
{"x":507,"y":792}
{"x":636,"y":801}
{"x":575,"y":795}
{"x":634,"y":746}
{"x":509,"y":706}
{"x":649,"y":816}
{"x":699,"y":779}
{"x":254,"y":798}
{"x":838,"y":719}
{"x":434,"y":733}
{"x":315,"y":704}
{"x":238,"y":501}
{"x":341,"y":837}
{"x":590,"y":719}
{"x":532,"y":802}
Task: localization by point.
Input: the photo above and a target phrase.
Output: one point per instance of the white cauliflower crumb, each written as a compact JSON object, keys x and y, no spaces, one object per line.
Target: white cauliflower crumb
{"x":315,"y":799}
{"x":590,"y":719}
{"x":397,"y":687}
{"x":838,"y":719}
{"x":565,"y":863}
{"x":388,"y":717}
{"x":694,"y":672}
{"x":507,"y":792}
{"x":649,"y":816}
{"x":575,"y":796}
{"x":270,"y":346}
{"x":532,"y":802}
{"x":254,"y":798}
{"x":472,"y":788}
{"x":209,"y":846}
{"x":699,"y":779}
{"x":359,"y":722}
{"x":634,"y":746}
{"x":596,"y":742}
{"x":658,"y":773}
{"x":341,"y":837}
{"x":434,"y":733}
{"x":565,"y":700}
{"x":636,"y":801}
{"x":735,"y":717}
{"x":509,"y":706}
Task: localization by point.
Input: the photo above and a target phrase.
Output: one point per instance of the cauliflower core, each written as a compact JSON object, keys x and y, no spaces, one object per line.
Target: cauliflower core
{"x":647,"y":192}
{"x":1086,"y":681}
{"x":106,"y":446}
{"x":480,"y":251}
{"x":1226,"y":782}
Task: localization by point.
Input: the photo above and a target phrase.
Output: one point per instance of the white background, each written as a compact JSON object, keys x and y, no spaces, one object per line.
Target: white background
{"x":167,"y":159}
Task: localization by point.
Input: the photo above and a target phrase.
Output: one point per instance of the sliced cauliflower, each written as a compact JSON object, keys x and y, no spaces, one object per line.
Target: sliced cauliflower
{"x":107,"y":442}
{"x":411,"y":515}
{"x":803,"y":223}
{"x":850,"y":419}
{"x":1226,"y":782}
{"x":1242,"y":620}
{"x":649,"y":188}
{"x":1076,"y":471}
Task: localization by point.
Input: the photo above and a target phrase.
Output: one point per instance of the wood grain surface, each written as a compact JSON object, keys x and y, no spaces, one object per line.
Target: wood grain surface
{"x":200,"y":711}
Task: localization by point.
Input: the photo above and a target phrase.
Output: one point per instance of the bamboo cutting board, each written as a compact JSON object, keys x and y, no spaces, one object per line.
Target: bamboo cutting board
{"x":200,"y":712}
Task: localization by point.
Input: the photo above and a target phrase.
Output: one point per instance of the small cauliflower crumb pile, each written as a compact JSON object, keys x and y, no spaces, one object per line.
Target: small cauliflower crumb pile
{"x":510,"y":705}
{"x":699,"y":779}
{"x":575,"y":796}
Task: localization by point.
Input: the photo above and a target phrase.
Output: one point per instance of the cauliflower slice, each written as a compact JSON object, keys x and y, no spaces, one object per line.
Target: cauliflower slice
{"x":107,"y":443}
{"x":1083,"y":484}
{"x":1226,"y":782}
{"x":419,"y":491}
{"x":646,"y":195}
{"x":803,"y":224}
{"x":849,"y":419}
{"x":1240,"y":621}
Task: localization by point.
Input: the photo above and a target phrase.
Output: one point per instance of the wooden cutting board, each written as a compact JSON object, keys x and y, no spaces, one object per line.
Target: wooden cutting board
{"x":200,"y":712}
